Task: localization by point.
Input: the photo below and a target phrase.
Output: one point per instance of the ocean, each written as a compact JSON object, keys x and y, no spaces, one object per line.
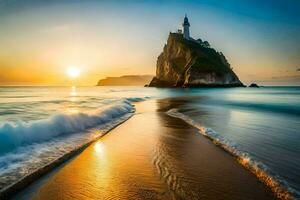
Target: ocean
{"x":258,"y":126}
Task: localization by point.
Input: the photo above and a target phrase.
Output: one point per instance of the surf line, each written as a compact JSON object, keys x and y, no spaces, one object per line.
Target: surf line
{"x":10,"y":190}
{"x":278,"y":186}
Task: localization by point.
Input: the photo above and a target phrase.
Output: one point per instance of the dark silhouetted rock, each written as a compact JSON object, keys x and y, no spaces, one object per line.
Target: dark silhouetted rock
{"x":253,"y":85}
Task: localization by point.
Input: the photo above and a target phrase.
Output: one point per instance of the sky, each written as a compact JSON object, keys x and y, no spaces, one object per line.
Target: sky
{"x":41,"y":40}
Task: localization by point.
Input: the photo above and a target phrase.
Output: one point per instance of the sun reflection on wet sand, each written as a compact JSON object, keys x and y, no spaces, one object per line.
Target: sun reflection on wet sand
{"x":99,"y":148}
{"x":115,"y":167}
{"x":152,"y":156}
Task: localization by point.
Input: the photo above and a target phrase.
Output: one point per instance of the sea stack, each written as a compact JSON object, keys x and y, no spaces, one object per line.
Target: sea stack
{"x":186,"y":62}
{"x":253,"y":85}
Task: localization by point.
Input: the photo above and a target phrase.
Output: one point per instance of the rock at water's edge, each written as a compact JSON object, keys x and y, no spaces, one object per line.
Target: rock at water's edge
{"x":254,"y":85}
{"x":191,"y":63}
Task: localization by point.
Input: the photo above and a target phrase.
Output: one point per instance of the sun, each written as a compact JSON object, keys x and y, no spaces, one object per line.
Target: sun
{"x":73,"y":72}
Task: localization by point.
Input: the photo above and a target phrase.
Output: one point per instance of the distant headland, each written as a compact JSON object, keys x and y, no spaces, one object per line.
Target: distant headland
{"x":126,"y":80}
{"x":186,"y":62}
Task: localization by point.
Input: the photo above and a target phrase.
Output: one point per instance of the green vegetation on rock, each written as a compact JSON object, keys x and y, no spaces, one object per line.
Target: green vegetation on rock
{"x":192,"y":63}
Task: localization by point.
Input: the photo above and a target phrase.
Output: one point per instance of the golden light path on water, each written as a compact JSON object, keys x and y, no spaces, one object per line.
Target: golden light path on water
{"x":73,"y":98}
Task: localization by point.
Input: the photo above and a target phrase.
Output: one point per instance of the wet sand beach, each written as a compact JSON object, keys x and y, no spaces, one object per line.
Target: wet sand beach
{"x":151,"y":156}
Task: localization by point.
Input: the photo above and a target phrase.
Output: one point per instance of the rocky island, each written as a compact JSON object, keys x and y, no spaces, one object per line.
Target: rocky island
{"x":186,"y":62}
{"x":253,"y":85}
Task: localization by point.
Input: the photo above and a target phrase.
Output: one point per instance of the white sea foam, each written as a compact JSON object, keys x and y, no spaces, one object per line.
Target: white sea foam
{"x":137,"y":99}
{"x":13,"y":136}
{"x":280,"y":187}
{"x":27,"y":147}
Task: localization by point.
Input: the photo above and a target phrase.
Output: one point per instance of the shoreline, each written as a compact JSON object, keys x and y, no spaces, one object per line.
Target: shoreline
{"x":259,"y":170}
{"x":157,"y":162}
{"x":10,"y":190}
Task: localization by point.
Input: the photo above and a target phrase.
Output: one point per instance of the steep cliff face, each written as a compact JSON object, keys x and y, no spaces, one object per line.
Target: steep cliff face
{"x":192,"y":63}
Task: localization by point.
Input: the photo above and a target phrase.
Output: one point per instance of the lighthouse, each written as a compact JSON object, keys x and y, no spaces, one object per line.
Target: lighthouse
{"x":186,"y":28}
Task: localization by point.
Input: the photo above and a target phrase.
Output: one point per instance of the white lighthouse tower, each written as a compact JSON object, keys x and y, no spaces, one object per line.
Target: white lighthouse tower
{"x":186,"y":28}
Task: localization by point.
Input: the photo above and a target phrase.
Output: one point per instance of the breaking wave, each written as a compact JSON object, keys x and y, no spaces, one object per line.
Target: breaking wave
{"x":280,"y":187}
{"x":13,"y":136}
